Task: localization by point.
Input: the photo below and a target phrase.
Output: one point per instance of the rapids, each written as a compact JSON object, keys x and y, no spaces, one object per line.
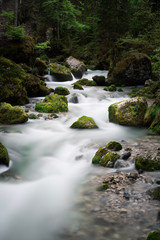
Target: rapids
{"x":49,"y":161}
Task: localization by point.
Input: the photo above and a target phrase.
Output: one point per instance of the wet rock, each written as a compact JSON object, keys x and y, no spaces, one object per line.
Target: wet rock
{"x":77,"y":67}
{"x":61,"y":72}
{"x":73,"y":98}
{"x":32,"y":116}
{"x":61,"y":91}
{"x":77,"y":86}
{"x":158,"y":181}
{"x":12,"y":115}
{"x":40,"y":65}
{"x":100,"y":80}
{"x":4,"y":158}
{"x":53,"y":104}
{"x":153,"y":235}
{"x":126,"y":195}
{"x":129,"y":112}
{"x":126,"y":155}
{"x":147,"y":163}
{"x":155,"y":193}
{"x":115,"y":146}
{"x":85,"y":82}
{"x":84,"y":123}
{"x":121,"y":164}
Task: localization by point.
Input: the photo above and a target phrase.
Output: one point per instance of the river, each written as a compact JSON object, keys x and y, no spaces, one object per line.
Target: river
{"x":51,"y":162}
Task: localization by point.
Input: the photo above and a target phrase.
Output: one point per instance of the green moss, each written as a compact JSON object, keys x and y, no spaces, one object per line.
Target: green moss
{"x":155,"y":193}
{"x":154,"y":235}
{"x":112,"y":88}
{"x":99,"y":154}
{"x":120,"y":90}
{"x":129,"y":112}
{"x":109,"y":159}
{"x":32,"y":116}
{"x":61,"y":91}
{"x":61,"y":72}
{"x":86,"y":82}
{"x":77,"y":86}
{"x":84,"y":122}
{"x":115,"y":146}
{"x":12,"y":77}
{"x":53,"y":104}
{"x":152,"y":118}
{"x":40,"y":65}
{"x":146,"y":163}
{"x":103,"y":187}
{"x":4,"y":158}
{"x":12,"y":115}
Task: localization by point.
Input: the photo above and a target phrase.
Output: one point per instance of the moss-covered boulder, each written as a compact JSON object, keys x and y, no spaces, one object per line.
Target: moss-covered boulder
{"x":40,"y":65}
{"x":61,"y":72}
{"x":152,"y":117}
{"x":146,"y":163}
{"x":100,"y":80}
{"x":129,"y":112}
{"x":85,"y":82}
{"x":18,"y":51}
{"x":4,"y":158}
{"x":132,"y":70}
{"x":115,"y":146}
{"x":77,"y":67}
{"x":12,"y":115}
{"x":35,"y":87}
{"x":53,"y":104}
{"x":155,"y":193}
{"x":61,"y":91}
{"x":84,"y":123}
{"x":154,"y":235}
{"x":77,"y":86}
{"x":111,"y":88}
{"x":105,"y":157}
{"x":12,"y":77}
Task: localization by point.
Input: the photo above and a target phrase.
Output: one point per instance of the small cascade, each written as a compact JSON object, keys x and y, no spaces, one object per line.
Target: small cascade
{"x":49,"y":71}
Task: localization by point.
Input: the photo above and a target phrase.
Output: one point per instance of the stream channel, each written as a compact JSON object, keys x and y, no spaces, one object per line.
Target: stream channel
{"x":51,"y":169}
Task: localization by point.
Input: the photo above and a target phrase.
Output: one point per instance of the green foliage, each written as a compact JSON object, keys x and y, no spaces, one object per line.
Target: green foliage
{"x":43,"y":46}
{"x":16,"y":33}
{"x":8,"y":15}
{"x":156,"y":61}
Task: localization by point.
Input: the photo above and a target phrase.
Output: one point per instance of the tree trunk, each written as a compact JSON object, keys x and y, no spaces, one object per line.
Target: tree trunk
{"x":16,"y":13}
{"x":1,"y":2}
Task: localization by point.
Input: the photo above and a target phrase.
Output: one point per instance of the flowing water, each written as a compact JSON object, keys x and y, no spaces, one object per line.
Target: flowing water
{"x":50,"y":161}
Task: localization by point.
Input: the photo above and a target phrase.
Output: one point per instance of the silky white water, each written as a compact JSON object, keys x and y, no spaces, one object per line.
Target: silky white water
{"x":51,"y":160}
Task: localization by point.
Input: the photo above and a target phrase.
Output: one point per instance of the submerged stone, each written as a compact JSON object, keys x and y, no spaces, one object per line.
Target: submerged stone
{"x":4,"y":158}
{"x":53,"y":104}
{"x":84,"y":123}
{"x":129,"y":112}
{"x":12,"y":115}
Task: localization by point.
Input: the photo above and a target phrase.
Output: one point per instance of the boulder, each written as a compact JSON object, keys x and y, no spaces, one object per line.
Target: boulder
{"x":132,"y":70}
{"x":155,"y":193}
{"x":40,"y":65}
{"x":12,"y":77}
{"x":85,"y":82}
{"x":114,"y":146}
{"x":146,"y":163}
{"x":77,"y":86}
{"x":152,"y":117}
{"x":111,"y":88}
{"x":61,"y":72}
{"x":129,"y":112}
{"x":77,"y":67}
{"x":61,"y":91}
{"x":12,"y":115}
{"x":4,"y":158}
{"x":100,"y":80}
{"x":53,"y":104}
{"x":84,"y":122}
{"x":153,"y":235}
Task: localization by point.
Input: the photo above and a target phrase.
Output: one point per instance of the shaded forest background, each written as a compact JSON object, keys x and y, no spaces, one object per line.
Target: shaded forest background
{"x":99,"y":32}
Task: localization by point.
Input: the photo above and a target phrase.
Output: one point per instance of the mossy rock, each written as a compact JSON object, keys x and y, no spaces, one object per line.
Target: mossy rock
{"x":19,"y":51}
{"x":132,"y":70}
{"x":100,"y":80}
{"x":146,"y":163}
{"x":129,"y":112}
{"x":85,"y":82}
{"x":109,"y":159}
{"x":154,"y":235}
{"x":155,"y":193}
{"x":84,"y":123}
{"x":99,"y":154}
{"x":12,"y":115}
{"x":40,"y":65}
{"x":4,"y":158}
{"x":61,"y":91}
{"x":103,"y":187}
{"x":53,"y":104}
{"x":115,"y":146}
{"x":152,"y":118}
{"x":12,"y":77}
{"x":77,"y":86}
{"x":120,"y":90}
{"x":61,"y":72}
{"x":112,"y":88}
{"x":32,"y":116}
{"x":35,"y":87}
